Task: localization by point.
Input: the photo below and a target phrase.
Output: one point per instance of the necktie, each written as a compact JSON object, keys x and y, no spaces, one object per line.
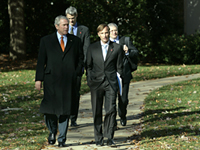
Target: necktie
{"x":114,"y":41}
{"x":62,"y":44}
{"x":71,"y":32}
{"x":105,"y":50}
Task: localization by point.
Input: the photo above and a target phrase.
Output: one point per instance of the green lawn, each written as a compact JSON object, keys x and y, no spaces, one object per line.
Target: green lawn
{"x":171,"y":117}
{"x":25,"y":129}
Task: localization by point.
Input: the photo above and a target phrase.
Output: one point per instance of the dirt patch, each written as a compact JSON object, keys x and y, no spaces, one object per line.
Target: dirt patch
{"x":6,"y":64}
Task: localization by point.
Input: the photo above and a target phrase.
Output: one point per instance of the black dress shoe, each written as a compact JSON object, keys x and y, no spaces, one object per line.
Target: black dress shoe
{"x":123,"y":121}
{"x":111,"y":143}
{"x":61,"y":144}
{"x":74,"y":124}
{"x":52,"y":138}
{"x":100,"y":143}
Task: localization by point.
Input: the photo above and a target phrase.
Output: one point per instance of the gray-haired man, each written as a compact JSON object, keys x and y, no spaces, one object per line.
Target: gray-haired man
{"x":130,"y":56}
{"x":83,"y":33}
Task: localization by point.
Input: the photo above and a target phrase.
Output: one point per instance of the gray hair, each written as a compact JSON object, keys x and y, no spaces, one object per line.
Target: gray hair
{"x":58,"y":18}
{"x":112,"y":24}
{"x":71,"y":10}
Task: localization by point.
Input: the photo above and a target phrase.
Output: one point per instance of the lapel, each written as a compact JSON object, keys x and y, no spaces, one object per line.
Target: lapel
{"x":57,"y":43}
{"x":79,"y":30}
{"x":67,"y":46}
{"x":69,"y":43}
{"x":121,"y":40}
{"x":99,"y":51}
{"x":110,"y":50}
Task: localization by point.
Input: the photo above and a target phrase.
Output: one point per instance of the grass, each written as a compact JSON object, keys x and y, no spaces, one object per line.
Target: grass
{"x":25,"y":128}
{"x":171,"y":117}
{"x":22,"y":128}
{"x":154,"y":72}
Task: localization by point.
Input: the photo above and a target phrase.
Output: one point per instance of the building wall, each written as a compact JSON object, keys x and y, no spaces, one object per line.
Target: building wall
{"x":191,"y":16}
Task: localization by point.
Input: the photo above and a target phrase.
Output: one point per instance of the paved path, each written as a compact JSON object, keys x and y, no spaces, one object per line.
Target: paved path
{"x":82,"y":137}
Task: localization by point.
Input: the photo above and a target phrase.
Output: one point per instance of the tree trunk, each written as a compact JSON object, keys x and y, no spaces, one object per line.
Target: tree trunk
{"x":17,"y":29}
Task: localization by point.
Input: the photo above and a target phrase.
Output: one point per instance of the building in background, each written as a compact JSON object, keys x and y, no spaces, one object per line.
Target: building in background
{"x":191,"y":16}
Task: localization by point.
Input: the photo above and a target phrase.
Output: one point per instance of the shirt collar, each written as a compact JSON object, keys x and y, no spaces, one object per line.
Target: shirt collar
{"x":59,"y":36}
{"x":117,"y":39}
{"x":75,"y":26}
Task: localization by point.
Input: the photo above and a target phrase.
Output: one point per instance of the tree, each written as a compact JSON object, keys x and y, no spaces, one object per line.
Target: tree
{"x":17,"y":29}
{"x":146,"y":22}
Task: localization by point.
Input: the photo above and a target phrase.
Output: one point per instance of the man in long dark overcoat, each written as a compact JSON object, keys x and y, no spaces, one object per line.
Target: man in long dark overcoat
{"x":60,"y":61}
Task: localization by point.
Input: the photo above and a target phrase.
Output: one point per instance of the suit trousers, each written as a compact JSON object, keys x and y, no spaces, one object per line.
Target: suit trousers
{"x":54,"y":122}
{"x":106,"y":93}
{"x":77,"y":99}
{"x":123,"y":101}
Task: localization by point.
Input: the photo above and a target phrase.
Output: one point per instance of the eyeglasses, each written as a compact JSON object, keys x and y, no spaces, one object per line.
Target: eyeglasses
{"x":114,"y":31}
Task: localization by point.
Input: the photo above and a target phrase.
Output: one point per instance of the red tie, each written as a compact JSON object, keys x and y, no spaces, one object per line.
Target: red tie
{"x":62,"y":44}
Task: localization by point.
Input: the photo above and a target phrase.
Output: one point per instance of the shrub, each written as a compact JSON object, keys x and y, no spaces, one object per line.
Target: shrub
{"x":179,"y":49}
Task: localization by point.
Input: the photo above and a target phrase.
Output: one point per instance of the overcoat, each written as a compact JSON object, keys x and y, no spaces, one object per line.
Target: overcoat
{"x":58,"y":71}
{"x":133,"y":56}
{"x":84,"y":34}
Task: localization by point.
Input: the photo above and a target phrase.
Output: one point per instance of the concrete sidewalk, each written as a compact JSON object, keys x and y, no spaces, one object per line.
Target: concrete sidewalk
{"x":82,"y":137}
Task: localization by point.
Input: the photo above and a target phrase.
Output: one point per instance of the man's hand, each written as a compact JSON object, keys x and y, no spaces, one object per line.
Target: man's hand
{"x":38,"y":85}
{"x":125,"y":49}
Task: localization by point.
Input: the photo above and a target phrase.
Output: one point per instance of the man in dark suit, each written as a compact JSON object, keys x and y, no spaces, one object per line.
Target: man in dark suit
{"x":104,"y":60}
{"x":130,"y":56}
{"x":83,"y":33}
{"x":60,"y":61}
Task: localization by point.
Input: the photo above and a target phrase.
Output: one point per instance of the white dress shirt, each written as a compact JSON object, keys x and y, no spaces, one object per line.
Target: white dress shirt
{"x":104,"y":51}
{"x":64,"y":38}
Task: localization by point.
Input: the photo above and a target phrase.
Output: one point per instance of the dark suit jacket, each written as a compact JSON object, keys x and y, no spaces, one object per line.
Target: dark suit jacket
{"x":98,"y":69}
{"x":84,"y":34}
{"x":133,"y":55}
{"x":58,"y":70}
